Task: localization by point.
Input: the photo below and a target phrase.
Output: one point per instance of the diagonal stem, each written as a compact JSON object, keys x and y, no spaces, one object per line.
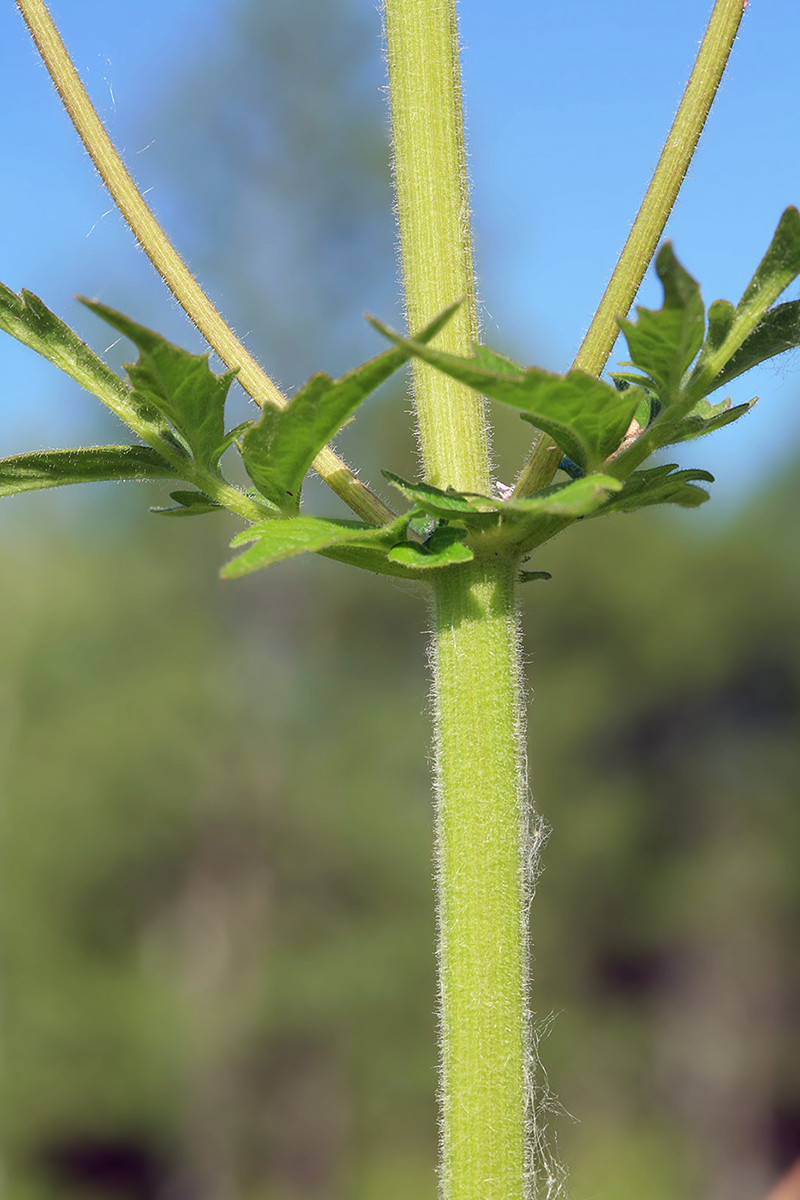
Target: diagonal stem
{"x":166,"y":259}
{"x":648,"y":227}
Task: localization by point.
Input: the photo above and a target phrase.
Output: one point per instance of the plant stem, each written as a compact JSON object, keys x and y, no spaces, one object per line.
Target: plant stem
{"x":480,"y":778}
{"x":482,"y":835}
{"x":166,"y":259}
{"x":648,"y":227}
{"x":433,"y":211}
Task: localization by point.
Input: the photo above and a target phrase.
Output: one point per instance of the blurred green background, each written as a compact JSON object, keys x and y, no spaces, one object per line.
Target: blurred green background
{"x":216,"y":929}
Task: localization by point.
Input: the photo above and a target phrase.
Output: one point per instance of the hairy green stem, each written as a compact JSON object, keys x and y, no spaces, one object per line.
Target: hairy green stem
{"x":482,"y":835}
{"x":480,"y":777}
{"x":648,"y":227}
{"x":433,"y":212}
{"x":166,"y":259}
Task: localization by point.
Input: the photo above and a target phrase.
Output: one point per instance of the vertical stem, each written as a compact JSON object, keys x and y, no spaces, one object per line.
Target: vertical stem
{"x":480,"y":779}
{"x":482,"y":830}
{"x":433,"y":212}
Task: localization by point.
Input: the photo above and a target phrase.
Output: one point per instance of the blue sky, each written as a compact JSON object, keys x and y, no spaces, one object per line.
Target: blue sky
{"x":568,"y":106}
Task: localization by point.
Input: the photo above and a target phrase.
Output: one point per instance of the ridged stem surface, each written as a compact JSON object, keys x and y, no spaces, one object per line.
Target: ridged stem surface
{"x":482,"y":843}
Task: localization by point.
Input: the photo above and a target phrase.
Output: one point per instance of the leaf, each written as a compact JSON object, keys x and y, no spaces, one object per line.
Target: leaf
{"x":779,"y":266}
{"x":778,"y":331}
{"x":180,"y":385}
{"x":586,"y":417}
{"x":27,"y":319}
{"x":576,"y":499}
{"x":659,"y":485}
{"x":705,"y":418}
{"x":443,"y":548}
{"x":189,"y":504}
{"x":664,"y":342}
{"x":447,"y":505}
{"x":492,"y":361}
{"x":764,"y":333}
{"x":54,"y":468}
{"x":369,"y":558}
{"x":721,"y":316}
{"x":279,"y":450}
{"x":276,"y":539}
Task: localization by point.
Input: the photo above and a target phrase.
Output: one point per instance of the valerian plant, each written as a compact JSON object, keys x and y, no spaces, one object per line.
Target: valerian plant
{"x":468,"y":541}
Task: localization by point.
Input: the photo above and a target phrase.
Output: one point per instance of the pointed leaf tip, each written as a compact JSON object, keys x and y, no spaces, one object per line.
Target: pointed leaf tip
{"x":179,"y":385}
{"x":279,"y":450}
{"x":664,"y":342}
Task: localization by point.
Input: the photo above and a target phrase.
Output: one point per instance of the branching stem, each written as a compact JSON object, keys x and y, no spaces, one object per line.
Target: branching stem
{"x":166,"y":259}
{"x":648,"y":227}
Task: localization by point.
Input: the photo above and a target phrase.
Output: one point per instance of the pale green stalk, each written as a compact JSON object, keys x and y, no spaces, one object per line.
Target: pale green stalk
{"x":433,"y":212}
{"x":166,"y":259}
{"x":482,"y":835}
{"x":480,"y":781}
{"x":648,"y":227}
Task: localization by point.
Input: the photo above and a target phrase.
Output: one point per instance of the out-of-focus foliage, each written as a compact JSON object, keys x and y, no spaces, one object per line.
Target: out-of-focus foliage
{"x":216,"y":912}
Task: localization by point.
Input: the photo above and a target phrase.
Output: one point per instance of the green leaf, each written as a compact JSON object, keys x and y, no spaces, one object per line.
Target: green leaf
{"x":586,"y":417}
{"x":721,"y":316}
{"x":659,"y":485}
{"x":664,"y":342}
{"x":189,"y":504}
{"x":576,"y":499}
{"x":779,"y":266}
{"x":370,"y":558}
{"x":54,"y":468}
{"x":27,"y":319}
{"x":705,"y":418}
{"x":778,"y":331}
{"x":492,"y":361}
{"x":279,"y":450}
{"x":444,"y":548}
{"x":276,"y":539}
{"x":764,"y":333}
{"x":178,"y":384}
{"x":447,"y":505}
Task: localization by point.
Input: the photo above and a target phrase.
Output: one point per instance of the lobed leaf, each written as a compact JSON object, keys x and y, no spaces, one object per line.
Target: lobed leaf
{"x":779,"y":266}
{"x":444,"y":548}
{"x":576,"y":499}
{"x":279,"y":450}
{"x":276,"y":539}
{"x":705,"y":418}
{"x":92,"y":464}
{"x":659,"y":485}
{"x":447,"y":505}
{"x":752,"y":333}
{"x":27,"y":319}
{"x":179,"y":385}
{"x":586,"y":417}
{"x":778,"y":331}
{"x":664,"y":342}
